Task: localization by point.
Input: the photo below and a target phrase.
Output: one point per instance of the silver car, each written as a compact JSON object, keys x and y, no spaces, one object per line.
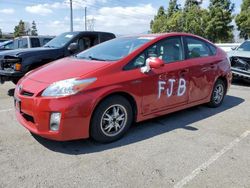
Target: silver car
{"x":240,"y":61}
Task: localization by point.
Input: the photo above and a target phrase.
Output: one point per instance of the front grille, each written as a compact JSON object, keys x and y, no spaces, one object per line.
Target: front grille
{"x":247,"y":59}
{"x":26,"y":93}
{"x":8,"y":62}
{"x":241,"y":63}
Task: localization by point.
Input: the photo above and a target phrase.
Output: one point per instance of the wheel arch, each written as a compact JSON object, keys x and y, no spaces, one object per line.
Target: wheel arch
{"x":126,"y":95}
{"x":224,"y":79}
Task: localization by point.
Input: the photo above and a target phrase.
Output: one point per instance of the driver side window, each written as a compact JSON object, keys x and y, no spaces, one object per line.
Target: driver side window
{"x":169,"y":50}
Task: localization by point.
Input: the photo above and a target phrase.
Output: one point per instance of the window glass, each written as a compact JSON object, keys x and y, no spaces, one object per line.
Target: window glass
{"x":23,"y":43}
{"x":169,"y":50}
{"x":84,"y":43}
{"x":16,"y":43}
{"x":114,"y":50}
{"x":105,"y":37}
{"x":197,"y":48}
{"x":45,"y":41}
{"x":61,"y":40}
{"x":7,"y":45}
{"x":213,"y":49}
{"x":244,"y":46}
{"x":35,"y":42}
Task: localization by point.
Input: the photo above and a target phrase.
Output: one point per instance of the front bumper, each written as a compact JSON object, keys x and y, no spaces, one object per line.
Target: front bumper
{"x":35,"y":111}
{"x":10,"y":75}
{"x":240,"y":73}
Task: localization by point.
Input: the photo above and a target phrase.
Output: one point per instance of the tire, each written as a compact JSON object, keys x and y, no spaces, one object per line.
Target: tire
{"x":111,"y":119}
{"x":218,"y":94}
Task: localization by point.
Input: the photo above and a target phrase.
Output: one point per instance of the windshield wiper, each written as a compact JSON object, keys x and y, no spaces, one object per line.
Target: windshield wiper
{"x":49,"y":46}
{"x":97,"y":59}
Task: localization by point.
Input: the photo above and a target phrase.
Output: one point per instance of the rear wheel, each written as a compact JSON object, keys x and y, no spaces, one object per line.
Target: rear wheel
{"x":218,"y":94}
{"x":111,"y":119}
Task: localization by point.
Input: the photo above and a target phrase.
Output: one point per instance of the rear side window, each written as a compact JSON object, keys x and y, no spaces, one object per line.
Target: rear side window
{"x":197,"y":48}
{"x":35,"y":42}
{"x":213,"y":49}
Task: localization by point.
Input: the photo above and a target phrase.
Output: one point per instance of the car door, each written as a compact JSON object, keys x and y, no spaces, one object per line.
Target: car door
{"x":202,"y":68}
{"x":166,"y":87}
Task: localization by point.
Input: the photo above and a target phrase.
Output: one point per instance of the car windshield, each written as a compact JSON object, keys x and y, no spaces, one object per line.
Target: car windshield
{"x":7,"y":45}
{"x":115,"y":49}
{"x":244,"y":46}
{"x":60,"y":40}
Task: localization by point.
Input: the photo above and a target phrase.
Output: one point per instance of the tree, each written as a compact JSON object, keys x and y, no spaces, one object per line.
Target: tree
{"x":191,"y":3}
{"x":1,"y":34}
{"x":173,"y":7}
{"x":214,"y":23}
{"x":243,"y":19}
{"x":33,"y":29}
{"x":19,"y":30}
{"x":23,"y":28}
{"x":219,"y":27}
{"x":157,"y":25}
{"x":195,"y":19}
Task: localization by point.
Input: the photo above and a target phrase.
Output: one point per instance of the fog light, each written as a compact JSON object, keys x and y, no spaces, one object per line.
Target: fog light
{"x":55,"y":119}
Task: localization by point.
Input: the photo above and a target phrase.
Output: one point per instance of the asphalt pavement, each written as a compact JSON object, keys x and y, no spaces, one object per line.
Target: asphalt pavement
{"x":196,"y":147}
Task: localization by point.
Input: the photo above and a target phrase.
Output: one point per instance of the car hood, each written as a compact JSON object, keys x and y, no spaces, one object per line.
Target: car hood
{"x":28,"y":52}
{"x":65,"y":68}
{"x":239,"y":53}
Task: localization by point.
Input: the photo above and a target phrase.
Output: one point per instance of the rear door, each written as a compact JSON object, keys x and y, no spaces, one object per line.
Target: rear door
{"x":202,"y":68}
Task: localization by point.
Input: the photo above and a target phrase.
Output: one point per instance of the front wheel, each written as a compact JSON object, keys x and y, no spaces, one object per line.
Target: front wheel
{"x":111,"y":119}
{"x":218,"y":94}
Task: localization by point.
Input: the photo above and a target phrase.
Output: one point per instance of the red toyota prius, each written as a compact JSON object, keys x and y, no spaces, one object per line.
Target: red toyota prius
{"x":100,"y":92}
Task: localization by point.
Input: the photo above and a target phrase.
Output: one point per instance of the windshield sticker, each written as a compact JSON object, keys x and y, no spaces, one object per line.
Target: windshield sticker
{"x":146,"y":38}
{"x":169,"y":90}
{"x":68,"y":36}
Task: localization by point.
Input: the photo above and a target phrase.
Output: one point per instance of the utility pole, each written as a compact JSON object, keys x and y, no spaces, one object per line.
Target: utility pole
{"x":85,"y":18}
{"x":71,"y":16}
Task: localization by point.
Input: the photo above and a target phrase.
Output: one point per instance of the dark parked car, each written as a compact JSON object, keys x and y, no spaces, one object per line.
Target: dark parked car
{"x":14,"y":64}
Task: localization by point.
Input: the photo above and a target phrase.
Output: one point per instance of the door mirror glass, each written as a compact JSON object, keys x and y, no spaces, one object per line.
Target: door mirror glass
{"x":73,"y":47}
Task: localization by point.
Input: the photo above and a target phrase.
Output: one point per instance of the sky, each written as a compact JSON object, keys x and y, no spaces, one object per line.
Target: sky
{"x":118,"y":16}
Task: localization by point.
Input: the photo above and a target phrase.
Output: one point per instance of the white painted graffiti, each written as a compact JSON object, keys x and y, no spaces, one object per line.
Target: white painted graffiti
{"x":169,"y":90}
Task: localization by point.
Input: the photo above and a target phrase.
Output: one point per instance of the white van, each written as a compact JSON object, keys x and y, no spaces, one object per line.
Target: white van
{"x":26,"y":42}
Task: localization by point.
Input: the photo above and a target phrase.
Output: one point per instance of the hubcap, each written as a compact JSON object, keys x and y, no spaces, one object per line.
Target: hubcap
{"x":218,"y":93}
{"x":114,"y":120}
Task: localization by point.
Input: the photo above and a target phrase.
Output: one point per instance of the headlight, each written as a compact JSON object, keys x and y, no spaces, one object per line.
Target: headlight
{"x":67,"y":87}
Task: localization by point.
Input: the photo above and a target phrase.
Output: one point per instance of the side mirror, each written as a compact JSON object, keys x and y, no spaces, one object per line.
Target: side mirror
{"x":73,"y":47}
{"x":234,"y":48}
{"x":152,"y":63}
{"x":155,"y":63}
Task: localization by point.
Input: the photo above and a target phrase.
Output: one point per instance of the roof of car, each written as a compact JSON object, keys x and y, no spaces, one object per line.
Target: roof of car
{"x":90,"y":32}
{"x":161,"y":34}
